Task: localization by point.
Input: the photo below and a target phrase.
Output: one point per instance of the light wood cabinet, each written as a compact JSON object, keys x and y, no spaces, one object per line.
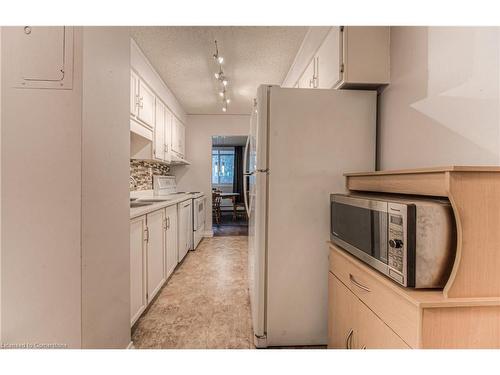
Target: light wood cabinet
{"x":171,"y":248}
{"x":155,"y":252}
{"x":352,"y":325}
{"x":466,"y":313}
{"x":373,"y":333}
{"x":138,"y":300}
{"x":341,"y":312}
{"x":350,"y":57}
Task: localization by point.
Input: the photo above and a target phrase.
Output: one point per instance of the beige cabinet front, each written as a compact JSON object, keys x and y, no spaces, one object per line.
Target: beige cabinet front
{"x":342,"y":330}
{"x":352,"y":325}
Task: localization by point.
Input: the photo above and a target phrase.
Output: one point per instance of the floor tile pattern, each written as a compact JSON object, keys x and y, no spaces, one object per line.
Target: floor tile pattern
{"x":205,"y":304}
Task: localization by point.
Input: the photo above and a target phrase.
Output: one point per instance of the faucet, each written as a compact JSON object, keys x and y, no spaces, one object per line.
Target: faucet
{"x":134,"y":181}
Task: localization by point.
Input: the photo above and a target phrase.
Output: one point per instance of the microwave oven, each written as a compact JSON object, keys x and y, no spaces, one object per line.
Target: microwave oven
{"x":411,"y":240}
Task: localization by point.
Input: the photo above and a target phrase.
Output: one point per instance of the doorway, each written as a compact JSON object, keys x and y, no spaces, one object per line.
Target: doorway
{"x":229,"y":216}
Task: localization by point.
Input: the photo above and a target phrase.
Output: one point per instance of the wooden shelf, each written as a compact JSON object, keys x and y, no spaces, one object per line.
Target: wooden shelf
{"x":474,"y":193}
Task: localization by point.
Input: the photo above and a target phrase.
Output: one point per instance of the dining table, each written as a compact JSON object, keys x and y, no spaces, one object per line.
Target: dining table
{"x":233,"y":197}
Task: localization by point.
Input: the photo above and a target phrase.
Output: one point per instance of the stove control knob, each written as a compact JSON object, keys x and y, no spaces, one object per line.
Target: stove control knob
{"x":396,"y":243}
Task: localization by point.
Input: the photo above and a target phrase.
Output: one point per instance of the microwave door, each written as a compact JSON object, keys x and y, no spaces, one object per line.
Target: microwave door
{"x":360,"y":226}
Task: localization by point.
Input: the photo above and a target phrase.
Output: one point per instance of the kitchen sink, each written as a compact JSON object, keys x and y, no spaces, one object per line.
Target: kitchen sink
{"x":139,"y":204}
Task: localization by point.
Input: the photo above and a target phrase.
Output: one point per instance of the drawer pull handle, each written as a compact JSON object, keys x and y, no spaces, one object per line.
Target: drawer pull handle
{"x":348,"y":339}
{"x":360,"y":286}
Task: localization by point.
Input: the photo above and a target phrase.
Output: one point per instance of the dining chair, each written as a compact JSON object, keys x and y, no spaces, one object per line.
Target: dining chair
{"x":216,"y":212}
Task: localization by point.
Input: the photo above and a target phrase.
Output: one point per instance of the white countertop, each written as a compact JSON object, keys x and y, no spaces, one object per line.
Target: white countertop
{"x":168,"y":200}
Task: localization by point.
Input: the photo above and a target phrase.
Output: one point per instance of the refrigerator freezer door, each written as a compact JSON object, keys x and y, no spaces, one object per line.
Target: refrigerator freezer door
{"x":314,"y":137}
{"x":258,"y":219}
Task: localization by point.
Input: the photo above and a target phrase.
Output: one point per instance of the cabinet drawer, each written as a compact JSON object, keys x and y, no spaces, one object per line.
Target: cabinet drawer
{"x":375,"y":291}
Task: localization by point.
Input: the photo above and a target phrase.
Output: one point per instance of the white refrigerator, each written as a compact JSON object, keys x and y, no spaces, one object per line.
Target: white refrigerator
{"x":301,"y":142}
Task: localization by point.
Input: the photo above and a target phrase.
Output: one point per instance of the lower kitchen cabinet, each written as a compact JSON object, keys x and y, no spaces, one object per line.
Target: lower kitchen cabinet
{"x":138,"y":300}
{"x":352,"y":325}
{"x":341,"y":311}
{"x":185,"y":213}
{"x":155,"y":252}
{"x":171,"y":248}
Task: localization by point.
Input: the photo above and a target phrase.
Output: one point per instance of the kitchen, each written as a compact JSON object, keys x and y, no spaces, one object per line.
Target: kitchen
{"x":380,"y":114}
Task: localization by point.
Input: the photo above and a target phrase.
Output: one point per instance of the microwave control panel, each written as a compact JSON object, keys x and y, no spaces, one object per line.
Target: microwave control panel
{"x":396,"y":242}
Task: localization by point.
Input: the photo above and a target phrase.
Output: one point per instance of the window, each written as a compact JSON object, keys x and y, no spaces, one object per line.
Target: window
{"x":222,"y":165}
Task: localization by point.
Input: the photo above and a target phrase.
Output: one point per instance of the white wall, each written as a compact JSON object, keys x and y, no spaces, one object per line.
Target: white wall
{"x":105,"y":188}
{"x":442,"y":106}
{"x":64,"y":193}
{"x":41,"y":207}
{"x":199,"y":132}
{"x":143,"y":67}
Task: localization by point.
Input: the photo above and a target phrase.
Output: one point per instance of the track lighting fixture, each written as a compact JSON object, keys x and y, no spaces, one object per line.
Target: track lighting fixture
{"x":218,"y":58}
{"x":221,"y":78}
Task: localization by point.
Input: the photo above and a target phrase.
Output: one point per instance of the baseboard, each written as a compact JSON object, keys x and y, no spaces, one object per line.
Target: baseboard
{"x":208,"y":233}
{"x":131,"y":345}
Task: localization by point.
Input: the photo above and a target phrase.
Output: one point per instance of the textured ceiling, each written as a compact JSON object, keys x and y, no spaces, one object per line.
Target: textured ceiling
{"x":252,"y":56}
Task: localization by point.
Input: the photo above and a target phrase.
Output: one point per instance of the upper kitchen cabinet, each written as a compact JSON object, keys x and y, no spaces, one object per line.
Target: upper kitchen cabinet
{"x":178,"y":137}
{"x":142,"y":111}
{"x":307,"y":80}
{"x":134,"y":93}
{"x":161,"y":132}
{"x":146,"y":104}
{"x":350,"y":57}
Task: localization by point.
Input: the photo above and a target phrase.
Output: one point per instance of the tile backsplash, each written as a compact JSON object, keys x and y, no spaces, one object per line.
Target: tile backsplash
{"x":142,"y":171}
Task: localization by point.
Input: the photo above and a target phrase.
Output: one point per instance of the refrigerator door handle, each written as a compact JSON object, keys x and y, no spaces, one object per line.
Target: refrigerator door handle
{"x":245,"y":187}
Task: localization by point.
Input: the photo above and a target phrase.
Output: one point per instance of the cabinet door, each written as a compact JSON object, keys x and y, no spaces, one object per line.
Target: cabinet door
{"x":138,"y":300}
{"x":342,"y":315}
{"x":159,"y":131}
{"x":156,"y":252}
{"x":146,"y":111}
{"x":171,"y":256}
{"x":175,"y":135}
{"x":329,"y":60}
{"x":190,"y":227}
{"x":167,"y":141}
{"x":134,"y":93}
{"x":373,"y":333}
{"x":307,"y":78}
{"x":182,"y":138}
{"x":184,"y":217}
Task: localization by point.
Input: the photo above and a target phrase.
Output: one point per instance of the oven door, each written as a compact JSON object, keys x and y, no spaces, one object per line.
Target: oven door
{"x":359,"y":225}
